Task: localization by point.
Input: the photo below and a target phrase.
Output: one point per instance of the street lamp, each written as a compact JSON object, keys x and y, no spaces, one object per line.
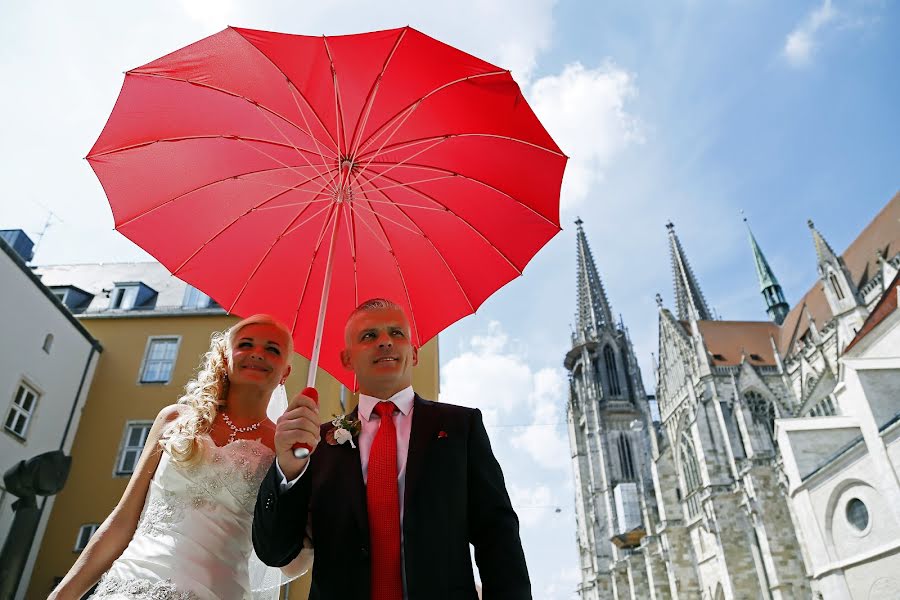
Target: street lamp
{"x":42,"y":475}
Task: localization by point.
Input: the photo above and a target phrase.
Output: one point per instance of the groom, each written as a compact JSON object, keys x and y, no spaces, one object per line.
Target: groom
{"x":393,"y":518}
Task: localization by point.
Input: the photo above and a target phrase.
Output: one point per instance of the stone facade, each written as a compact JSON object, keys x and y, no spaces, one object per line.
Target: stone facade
{"x":719,"y":514}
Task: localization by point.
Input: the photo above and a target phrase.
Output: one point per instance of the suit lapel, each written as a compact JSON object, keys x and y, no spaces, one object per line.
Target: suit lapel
{"x":345,"y":465}
{"x":424,"y":427}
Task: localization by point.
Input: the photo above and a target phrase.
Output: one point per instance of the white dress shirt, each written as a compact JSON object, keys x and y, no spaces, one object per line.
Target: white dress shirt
{"x":370,"y":421}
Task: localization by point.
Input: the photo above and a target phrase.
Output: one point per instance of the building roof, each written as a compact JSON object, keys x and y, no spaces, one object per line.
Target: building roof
{"x":17,"y":260}
{"x":733,"y":342}
{"x":885,"y":307}
{"x":882,"y":236}
{"x":99,"y":278}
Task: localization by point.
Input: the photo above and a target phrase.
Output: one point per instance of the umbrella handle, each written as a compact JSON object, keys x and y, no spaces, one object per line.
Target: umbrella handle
{"x":303,"y":450}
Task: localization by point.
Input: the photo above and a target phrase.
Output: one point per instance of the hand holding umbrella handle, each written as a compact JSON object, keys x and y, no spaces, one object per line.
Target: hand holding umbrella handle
{"x":303,"y":450}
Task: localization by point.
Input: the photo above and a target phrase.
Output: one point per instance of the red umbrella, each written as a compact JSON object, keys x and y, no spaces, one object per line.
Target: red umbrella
{"x":251,"y":164}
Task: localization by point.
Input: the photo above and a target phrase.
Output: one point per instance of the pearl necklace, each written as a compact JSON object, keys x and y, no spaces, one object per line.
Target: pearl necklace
{"x":236,"y":430}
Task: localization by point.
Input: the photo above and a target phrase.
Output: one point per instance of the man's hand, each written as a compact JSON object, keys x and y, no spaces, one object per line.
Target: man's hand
{"x":298,"y":424}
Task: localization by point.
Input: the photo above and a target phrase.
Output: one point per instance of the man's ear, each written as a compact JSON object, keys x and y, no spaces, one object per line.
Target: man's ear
{"x":415,"y":356}
{"x":345,"y":359}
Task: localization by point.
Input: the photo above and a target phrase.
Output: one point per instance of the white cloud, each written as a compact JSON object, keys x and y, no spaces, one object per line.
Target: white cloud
{"x":525,"y":404}
{"x":532,"y":504}
{"x":215,"y":14}
{"x":801,"y":43}
{"x":585,"y":111}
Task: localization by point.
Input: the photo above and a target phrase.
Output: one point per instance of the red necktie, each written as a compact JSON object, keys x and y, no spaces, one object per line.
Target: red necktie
{"x":383,"y":501}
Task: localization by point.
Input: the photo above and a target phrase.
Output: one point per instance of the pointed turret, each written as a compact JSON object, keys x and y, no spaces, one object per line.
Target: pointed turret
{"x":594,"y":312}
{"x":841,"y":292}
{"x":776,"y":306}
{"x":689,"y":301}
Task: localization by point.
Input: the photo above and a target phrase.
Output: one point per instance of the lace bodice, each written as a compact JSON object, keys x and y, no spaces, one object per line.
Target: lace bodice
{"x":193,"y":537}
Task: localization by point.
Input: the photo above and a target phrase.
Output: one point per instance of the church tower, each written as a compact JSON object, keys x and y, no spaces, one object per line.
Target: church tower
{"x":608,"y":421}
{"x":776,"y":306}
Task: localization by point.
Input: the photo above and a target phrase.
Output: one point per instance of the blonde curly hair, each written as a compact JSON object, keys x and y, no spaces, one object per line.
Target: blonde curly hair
{"x":208,"y":390}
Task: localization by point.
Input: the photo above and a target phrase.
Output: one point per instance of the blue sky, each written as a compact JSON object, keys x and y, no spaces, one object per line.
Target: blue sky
{"x":685,"y":110}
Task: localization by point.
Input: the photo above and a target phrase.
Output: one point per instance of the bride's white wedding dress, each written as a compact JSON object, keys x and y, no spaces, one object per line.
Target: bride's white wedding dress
{"x":193,"y":538}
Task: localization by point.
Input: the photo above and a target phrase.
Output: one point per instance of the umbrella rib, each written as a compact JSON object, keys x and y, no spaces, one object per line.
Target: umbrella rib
{"x":302,"y":223}
{"x":430,"y":242}
{"x":263,"y":259}
{"x":270,"y":157}
{"x":424,"y":97}
{"x":186,"y":138}
{"x":236,"y":95}
{"x":272,"y":123}
{"x":460,"y":217}
{"x":226,"y":228}
{"x":408,"y":143}
{"x":398,"y":164}
{"x":412,"y":313}
{"x":309,"y":268}
{"x":473,"y":180}
{"x":351,"y":239}
{"x":292,"y":87}
{"x":388,"y":138}
{"x":338,"y":105}
{"x":205,"y":185}
{"x":308,"y":103}
{"x":430,"y":179}
{"x":370,"y":98}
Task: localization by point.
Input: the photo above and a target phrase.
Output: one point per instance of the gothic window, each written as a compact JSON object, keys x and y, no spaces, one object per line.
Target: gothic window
{"x":836,"y":286}
{"x":829,"y":405}
{"x":691,"y":473}
{"x":612,"y":373}
{"x":626,"y":460}
{"x":762,"y":410}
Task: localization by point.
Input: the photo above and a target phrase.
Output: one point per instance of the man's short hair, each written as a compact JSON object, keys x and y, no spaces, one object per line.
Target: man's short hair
{"x":371,"y":304}
{"x":376,"y":304}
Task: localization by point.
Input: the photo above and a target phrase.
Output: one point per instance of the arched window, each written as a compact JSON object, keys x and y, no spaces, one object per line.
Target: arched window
{"x":612,"y":373}
{"x":48,"y":342}
{"x":626,"y":460}
{"x":691,"y":473}
{"x":689,"y":466}
{"x":836,"y":286}
{"x":762,"y":410}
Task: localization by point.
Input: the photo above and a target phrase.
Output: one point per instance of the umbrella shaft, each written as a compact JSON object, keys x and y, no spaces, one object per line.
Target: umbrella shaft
{"x":326,"y":286}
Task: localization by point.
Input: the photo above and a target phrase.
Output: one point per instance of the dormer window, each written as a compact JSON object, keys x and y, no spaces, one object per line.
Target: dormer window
{"x":73,"y":298}
{"x":194,"y":298}
{"x":132,"y":295}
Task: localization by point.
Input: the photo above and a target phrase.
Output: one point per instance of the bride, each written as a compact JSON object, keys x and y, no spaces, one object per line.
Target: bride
{"x":182,"y":528}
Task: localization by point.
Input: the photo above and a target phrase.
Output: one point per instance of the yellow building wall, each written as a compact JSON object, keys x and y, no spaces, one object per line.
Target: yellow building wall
{"x":116,"y":397}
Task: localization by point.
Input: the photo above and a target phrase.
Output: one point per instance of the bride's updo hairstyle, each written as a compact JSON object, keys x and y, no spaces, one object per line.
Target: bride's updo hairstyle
{"x":208,"y":390}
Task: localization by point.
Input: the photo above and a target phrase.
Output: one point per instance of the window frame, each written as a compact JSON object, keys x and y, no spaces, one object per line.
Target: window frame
{"x":125,"y":447}
{"x":20,"y":410}
{"x":93,"y":527}
{"x":146,"y":358}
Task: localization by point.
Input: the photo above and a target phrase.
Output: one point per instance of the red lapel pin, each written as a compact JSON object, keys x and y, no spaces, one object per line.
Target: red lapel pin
{"x":442,"y":434}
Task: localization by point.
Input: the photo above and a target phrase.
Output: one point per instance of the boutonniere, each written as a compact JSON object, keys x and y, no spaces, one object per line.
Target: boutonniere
{"x":343,"y":430}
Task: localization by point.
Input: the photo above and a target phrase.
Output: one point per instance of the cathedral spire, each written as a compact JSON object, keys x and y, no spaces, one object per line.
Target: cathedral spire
{"x":776,"y":305}
{"x":689,"y":301}
{"x":594,"y":312}
{"x":823,"y":251}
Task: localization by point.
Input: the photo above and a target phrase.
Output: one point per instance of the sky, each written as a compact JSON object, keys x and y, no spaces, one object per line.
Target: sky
{"x":685,"y":110}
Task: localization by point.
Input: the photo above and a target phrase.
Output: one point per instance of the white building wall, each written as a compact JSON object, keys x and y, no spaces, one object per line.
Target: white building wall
{"x":27,"y":316}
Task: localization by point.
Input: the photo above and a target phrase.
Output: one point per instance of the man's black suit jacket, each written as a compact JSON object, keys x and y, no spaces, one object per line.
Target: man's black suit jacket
{"x":455,"y":495}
